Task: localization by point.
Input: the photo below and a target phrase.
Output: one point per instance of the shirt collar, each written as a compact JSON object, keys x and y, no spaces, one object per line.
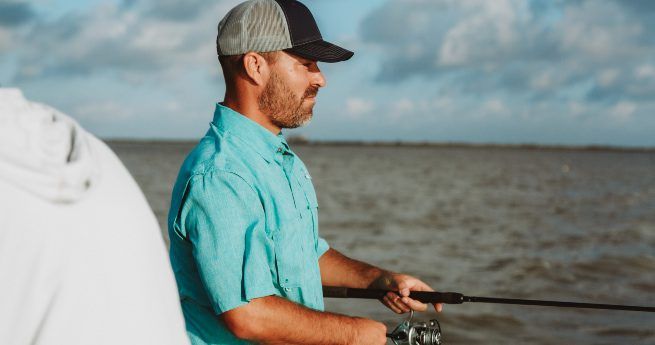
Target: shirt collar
{"x":268,"y":145}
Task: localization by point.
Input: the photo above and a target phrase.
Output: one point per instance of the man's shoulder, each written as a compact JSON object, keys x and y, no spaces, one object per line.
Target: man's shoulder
{"x":219,"y":156}
{"x":211,"y":164}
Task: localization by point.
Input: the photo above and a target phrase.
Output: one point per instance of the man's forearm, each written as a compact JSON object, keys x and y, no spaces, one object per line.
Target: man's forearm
{"x":340,"y":270}
{"x":275,"y":320}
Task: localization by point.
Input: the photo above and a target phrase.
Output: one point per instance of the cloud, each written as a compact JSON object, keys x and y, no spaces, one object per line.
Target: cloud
{"x":545,"y":69}
{"x":358,"y":106}
{"x":13,"y":17}
{"x":5,"y":39}
{"x":577,"y":50}
{"x":107,"y":109}
{"x":639,"y":6}
{"x":623,"y":111}
{"x":645,"y":72}
{"x":429,"y":38}
{"x":14,"y":14}
{"x":488,"y":33}
{"x":403,"y":105}
{"x":505,"y":70}
{"x":177,"y":10}
{"x":494,"y":106}
{"x":135,"y":40}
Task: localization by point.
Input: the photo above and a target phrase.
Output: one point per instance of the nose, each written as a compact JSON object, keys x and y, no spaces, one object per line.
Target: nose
{"x":318,"y":79}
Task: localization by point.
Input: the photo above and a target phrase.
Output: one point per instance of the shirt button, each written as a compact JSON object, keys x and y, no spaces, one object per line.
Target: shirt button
{"x":287,"y":289}
{"x":279,"y":150}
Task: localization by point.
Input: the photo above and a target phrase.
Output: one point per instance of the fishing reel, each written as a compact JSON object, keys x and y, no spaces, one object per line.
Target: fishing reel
{"x":416,"y":333}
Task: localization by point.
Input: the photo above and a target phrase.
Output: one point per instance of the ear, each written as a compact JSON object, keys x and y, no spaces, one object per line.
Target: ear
{"x":256,"y":68}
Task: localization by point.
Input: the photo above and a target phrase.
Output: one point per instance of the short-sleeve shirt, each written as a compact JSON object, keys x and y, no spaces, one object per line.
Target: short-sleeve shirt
{"x":243,"y":224}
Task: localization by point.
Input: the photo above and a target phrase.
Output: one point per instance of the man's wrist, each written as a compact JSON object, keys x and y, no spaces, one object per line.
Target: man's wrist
{"x":352,"y":334}
{"x":381,"y":279}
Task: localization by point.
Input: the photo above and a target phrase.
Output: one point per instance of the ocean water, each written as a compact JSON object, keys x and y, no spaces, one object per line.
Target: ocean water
{"x":569,"y":225}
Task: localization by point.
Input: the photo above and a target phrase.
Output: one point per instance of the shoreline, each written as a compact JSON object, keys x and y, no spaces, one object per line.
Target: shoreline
{"x":409,"y":144}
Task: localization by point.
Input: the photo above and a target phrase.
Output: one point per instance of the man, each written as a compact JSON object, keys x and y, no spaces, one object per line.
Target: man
{"x":82,"y":260}
{"x":243,"y":222}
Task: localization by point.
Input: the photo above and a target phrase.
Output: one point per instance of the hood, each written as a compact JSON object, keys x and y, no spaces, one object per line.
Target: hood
{"x":43,"y":151}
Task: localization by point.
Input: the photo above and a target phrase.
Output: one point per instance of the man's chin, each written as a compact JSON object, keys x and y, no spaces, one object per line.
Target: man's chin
{"x":291,"y":125}
{"x":308,"y":116}
{"x":306,"y":121}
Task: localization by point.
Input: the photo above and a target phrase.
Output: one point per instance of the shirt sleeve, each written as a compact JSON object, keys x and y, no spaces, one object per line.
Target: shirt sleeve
{"x":323,"y":246}
{"x":225,"y":223}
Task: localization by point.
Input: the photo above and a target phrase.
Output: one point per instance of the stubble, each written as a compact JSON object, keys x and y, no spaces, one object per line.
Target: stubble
{"x":286,"y":109}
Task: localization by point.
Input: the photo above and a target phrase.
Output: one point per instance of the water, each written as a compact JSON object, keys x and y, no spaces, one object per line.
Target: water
{"x":517,"y":223}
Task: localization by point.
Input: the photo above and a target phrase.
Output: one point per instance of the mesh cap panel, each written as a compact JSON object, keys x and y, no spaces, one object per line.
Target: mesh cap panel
{"x":255,"y":25}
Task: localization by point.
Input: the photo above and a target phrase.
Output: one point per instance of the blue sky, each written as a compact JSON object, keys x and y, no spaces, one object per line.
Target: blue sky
{"x":504,"y":71}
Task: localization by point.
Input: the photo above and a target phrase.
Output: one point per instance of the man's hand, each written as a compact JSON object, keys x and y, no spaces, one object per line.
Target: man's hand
{"x":370,"y":332}
{"x":401,"y":302}
{"x":340,"y":270}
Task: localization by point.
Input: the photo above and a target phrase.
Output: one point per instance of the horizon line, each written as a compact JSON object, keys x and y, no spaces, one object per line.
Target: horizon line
{"x":406,"y":143}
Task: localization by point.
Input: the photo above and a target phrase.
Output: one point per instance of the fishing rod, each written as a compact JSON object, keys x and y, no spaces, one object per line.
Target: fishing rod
{"x":458,"y":298}
{"x":429,"y":333}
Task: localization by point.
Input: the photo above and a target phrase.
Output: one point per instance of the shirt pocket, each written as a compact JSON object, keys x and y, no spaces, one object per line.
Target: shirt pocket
{"x":289,"y":253}
{"x":307,"y":187}
{"x":305,"y":182}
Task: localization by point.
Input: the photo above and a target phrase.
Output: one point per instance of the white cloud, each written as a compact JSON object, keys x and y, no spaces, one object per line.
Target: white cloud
{"x":607,"y":77}
{"x":358,"y":106}
{"x":442,"y":103}
{"x":403,"y":106}
{"x":599,"y":30}
{"x":645,"y":72}
{"x":125,"y":40}
{"x":623,"y":111}
{"x":489,"y":31}
{"x":577,"y":109}
{"x":5,"y":39}
{"x":108,"y":110}
{"x":455,"y":65}
{"x":494,"y":106}
{"x":494,"y":46}
{"x":542,"y":81}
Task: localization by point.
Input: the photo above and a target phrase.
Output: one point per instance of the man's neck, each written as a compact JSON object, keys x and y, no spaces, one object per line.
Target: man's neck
{"x":251,"y":110}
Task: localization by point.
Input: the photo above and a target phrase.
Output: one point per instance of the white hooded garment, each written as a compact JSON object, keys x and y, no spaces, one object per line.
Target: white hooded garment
{"x":82,"y":260}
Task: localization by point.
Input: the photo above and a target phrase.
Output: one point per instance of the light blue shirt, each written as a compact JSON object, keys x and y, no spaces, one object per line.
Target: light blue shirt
{"x":243,"y":224}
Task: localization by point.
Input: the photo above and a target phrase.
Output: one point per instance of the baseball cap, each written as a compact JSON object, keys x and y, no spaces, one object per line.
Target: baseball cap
{"x":271,"y":25}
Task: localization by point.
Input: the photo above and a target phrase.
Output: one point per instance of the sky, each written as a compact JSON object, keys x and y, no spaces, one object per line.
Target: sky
{"x":576,"y":72}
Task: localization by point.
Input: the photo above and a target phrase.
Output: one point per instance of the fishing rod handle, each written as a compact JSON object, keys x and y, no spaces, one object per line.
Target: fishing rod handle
{"x":422,"y":296}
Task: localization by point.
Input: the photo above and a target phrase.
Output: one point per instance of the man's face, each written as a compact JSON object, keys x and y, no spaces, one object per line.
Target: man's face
{"x":290,"y":94}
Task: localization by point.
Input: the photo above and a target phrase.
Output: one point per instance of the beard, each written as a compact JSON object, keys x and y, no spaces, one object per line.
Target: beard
{"x":285,"y":108}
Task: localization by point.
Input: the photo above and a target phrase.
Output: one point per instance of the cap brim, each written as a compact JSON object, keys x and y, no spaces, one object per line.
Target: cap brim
{"x":321,"y":51}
